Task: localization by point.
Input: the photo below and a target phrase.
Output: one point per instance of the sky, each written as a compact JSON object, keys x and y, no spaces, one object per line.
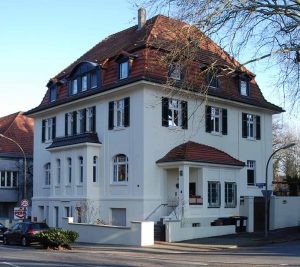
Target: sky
{"x":39,"y":38}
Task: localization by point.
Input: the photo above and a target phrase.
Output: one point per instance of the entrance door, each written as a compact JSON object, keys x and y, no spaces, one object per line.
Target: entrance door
{"x":259,"y":214}
{"x":118,"y":217}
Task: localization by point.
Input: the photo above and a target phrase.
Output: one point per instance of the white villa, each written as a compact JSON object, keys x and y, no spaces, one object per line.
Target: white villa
{"x":110,"y":133}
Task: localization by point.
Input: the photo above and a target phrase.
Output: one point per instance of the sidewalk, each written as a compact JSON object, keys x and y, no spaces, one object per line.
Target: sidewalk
{"x":202,"y":244}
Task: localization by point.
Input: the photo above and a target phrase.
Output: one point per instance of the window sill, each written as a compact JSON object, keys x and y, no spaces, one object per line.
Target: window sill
{"x":46,"y":187}
{"x":57,"y":186}
{"x":214,"y":207}
{"x":119,"y":128}
{"x":79,"y":185}
{"x":119,"y":183}
{"x":251,"y":138}
{"x":216,"y":133}
{"x":230,"y":207}
{"x":174,"y":128}
{"x":68,"y":185}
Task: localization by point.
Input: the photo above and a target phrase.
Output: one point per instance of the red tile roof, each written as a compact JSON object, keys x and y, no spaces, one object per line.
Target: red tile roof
{"x":19,"y":128}
{"x":149,"y":44}
{"x":195,"y":152}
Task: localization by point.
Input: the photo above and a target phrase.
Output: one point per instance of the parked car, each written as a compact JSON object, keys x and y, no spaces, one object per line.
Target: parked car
{"x":2,"y":230}
{"x":24,"y":233}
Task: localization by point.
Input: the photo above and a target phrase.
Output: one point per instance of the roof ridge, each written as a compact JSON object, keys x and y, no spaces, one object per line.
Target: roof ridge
{"x":15,"y":115}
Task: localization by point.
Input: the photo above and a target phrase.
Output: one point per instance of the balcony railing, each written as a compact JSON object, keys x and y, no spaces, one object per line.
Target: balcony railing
{"x":196,"y":200}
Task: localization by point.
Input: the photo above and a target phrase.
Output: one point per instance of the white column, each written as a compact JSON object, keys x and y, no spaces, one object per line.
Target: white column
{"x":184,"y":178}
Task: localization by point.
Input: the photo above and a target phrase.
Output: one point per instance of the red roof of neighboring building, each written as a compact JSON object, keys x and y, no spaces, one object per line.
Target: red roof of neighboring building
{"x":149,"y":44}
{"x":196,"y":152}
{"x":19,"y":128}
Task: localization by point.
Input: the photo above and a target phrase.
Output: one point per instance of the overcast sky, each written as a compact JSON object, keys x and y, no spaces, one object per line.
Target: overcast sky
{"x":39,"y":38}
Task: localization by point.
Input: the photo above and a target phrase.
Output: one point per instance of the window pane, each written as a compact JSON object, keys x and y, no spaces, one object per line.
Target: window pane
{"x":2,"y":179}
{"x":124,"y":70}
{"x":74,"y":86}
{"x":122,"y":172}
{"x":8,"y":179}
{"x":84,"y":83}
{"x":15,"y":179}
{"x":94,"y":79}
{"x":243,"y":86}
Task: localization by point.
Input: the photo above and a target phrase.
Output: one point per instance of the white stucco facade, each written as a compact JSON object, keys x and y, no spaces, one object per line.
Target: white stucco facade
{"x":144,"y":142}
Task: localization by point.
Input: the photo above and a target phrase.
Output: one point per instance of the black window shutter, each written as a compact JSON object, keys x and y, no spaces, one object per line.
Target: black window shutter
{"x":98,"y":77}
{"x":126,"y":111}
{"x":248,"y":88}
{"x":89,"y":80}
{"x":165,"y":111}
{"x":224,"y":121}
{"x":235,"y":195}
{"x":43,"y":130}
{"x":220,"y":195}
{"x":53,"y":127}
{"x":244,"y":125}
{"x":84,"y":119}
{"x":93,"y":128}
{"x":74,"y":130}
{"x":258,"y":136}
{"x":66,"y":124}
{"x":208,"y":119}
{"x":111,"y":115}
{"x":184,"y":114}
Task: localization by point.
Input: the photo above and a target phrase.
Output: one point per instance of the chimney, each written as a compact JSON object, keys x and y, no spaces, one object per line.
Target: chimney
{"x":141,"y":17}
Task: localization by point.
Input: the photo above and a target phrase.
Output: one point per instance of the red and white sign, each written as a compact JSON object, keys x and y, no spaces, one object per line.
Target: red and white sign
{"x":20,"y":213}
{"x":24,"y":203}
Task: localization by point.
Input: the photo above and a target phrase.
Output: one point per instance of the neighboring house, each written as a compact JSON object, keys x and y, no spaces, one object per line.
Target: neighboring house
{"x":110,"y":132}
{"x":20,"y":129}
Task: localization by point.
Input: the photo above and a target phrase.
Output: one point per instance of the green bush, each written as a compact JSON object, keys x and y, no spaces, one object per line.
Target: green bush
{"x":56,"y":238}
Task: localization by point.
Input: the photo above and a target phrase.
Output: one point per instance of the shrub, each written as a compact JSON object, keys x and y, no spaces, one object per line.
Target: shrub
{"x":56,"y":238}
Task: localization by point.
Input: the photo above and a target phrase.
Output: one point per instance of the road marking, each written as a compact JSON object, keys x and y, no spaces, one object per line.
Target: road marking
{"x":10,"y":264}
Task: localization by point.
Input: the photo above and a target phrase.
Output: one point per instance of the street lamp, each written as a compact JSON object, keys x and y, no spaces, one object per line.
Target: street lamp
{"x":25,"y":162}
{"x":266,"y":192}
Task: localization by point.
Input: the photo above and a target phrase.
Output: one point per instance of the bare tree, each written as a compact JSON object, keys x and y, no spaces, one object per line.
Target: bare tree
{"x":251,"y":29}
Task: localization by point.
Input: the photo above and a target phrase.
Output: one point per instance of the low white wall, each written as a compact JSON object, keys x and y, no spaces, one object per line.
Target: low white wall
{"x":141,"y":233}
{"x":175,"y":232}
{"x":284,"y":212}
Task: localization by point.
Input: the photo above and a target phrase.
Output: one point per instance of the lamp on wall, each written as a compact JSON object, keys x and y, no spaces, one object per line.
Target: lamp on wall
{"x":266,"y":195}
{"x":25,"y":162}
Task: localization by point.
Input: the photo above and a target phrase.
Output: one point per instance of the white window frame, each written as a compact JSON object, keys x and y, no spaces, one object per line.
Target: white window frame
{"x":84,"y":82}
{"x":69,"y":170}
{"x":89,"y":118}
{"x":70,"y":123}
{"x":251,"y":126}
{"x":174,"y":113}
{"x":75,"y":86}
{"x":9,"y":175}
{"x":230,"y":190}
{"x":80,"y":128}
{"x":58,"y":168}
{"x":95,"y":169}
{"x":175,"y":71}
{"x":124,"y":70}
{"x":216,"y":118}
{"x":81,"y":173}
{"x":48,"y":129}
{"x":251,"y":165}
{"x":217,"y":202}
{"x":120,"y":161}
{"x":119,"y":113}
{"x":244,"y":88}
{"x":47,"y":168}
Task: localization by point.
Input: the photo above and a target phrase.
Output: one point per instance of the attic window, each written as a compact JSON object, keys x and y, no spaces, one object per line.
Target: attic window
{"x":123,"y":69}
{"x":175,"y":71}
{"x":244,"y":88}
{"x":212,"y":80}
{"x":53,"y":93}
{"x":74,"y":86}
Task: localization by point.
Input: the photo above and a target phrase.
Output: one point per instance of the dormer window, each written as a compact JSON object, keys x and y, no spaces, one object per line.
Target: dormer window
{"x":85,"y":76}
{"x":123,"y":70}
{"x":53,"y":93}
{"x":212,"y":80}
{"x":244,"y":88}
{"x":175,"y":71}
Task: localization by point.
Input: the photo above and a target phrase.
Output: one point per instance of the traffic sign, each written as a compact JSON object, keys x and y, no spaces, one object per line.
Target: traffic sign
{"x":20,"y":213}
{"x":24,"y":203}
{"x":266,"y":193}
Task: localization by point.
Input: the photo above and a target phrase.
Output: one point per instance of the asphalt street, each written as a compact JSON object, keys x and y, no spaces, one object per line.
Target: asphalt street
{"x":282,"y":254}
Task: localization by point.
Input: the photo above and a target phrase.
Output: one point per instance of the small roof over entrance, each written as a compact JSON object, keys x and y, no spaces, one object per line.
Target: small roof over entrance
{"x":195,"y":152}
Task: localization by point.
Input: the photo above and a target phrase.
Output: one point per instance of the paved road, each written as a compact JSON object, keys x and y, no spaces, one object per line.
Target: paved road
{"x":284,"y":254}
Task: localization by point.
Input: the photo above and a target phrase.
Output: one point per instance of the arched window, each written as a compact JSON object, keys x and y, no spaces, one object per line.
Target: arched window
{"x":120,"y":168}
{"x":95,"y":161}
{"x":47,"y":173}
